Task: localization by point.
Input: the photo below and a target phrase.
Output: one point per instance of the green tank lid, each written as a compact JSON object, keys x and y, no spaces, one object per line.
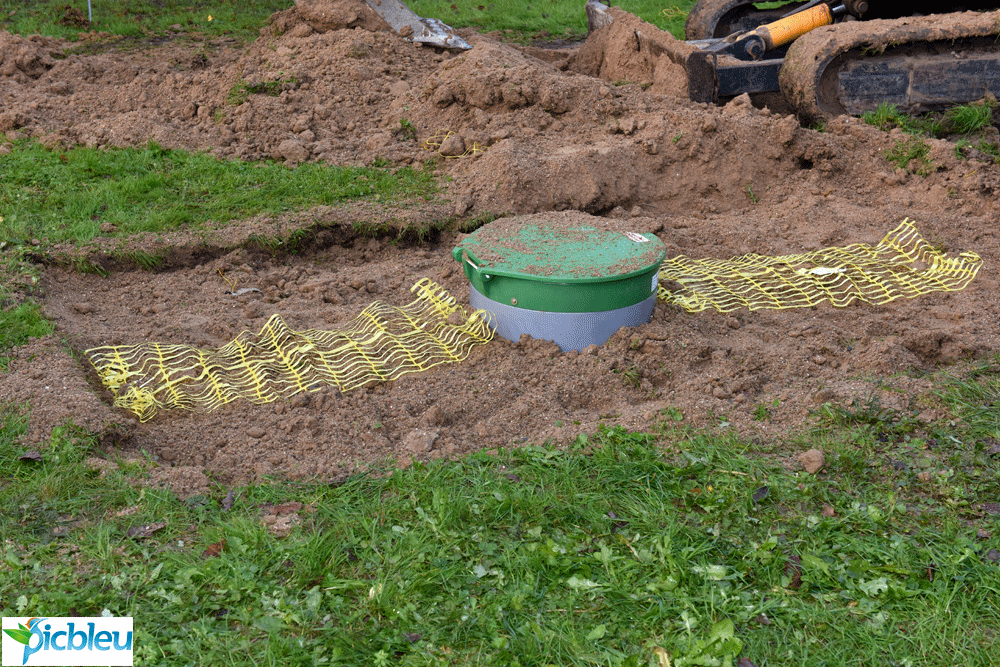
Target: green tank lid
{"x":562,"y":262}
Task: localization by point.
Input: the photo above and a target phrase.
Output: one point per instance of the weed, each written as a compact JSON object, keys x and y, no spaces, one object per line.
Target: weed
{"x":406,"y":131}
{"x":358,"y":51}
{"x":753,"y":197}
{"x":961,"y":148}
{"x":241,"y":91}
{"x":631,"y":376}
{"x":88,"y":266}
{"x":673,"y":414}
{"x":269,"y":244}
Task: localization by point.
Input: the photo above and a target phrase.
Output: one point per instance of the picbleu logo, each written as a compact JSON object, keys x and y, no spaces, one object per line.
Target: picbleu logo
{"x":67,"y":641}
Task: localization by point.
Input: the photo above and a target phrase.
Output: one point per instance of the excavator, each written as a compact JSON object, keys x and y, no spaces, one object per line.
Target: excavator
{"x":824,"y":57}
{"x":832,"y":58}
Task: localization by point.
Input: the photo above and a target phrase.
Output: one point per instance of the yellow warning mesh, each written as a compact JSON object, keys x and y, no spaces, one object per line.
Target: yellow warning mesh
{"x":436,"y":141}
{"x":382,"y":343}
{"x":903,"y":264}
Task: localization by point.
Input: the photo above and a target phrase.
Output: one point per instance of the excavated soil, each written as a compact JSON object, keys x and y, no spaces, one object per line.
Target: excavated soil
{"x":597,"y":129}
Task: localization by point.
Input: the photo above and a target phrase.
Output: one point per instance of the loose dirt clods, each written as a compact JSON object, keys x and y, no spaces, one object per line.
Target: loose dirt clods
{"x":554,"y":137}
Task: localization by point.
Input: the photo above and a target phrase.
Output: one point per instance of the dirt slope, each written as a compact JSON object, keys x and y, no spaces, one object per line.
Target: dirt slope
{"x":518,"y":130}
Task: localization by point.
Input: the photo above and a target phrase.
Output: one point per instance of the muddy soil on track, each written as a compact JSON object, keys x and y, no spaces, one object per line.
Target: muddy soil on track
{"x":590,"y":130}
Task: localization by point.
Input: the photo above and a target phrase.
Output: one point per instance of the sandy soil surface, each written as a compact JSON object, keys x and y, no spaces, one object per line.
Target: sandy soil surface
{"x":593,"y":129}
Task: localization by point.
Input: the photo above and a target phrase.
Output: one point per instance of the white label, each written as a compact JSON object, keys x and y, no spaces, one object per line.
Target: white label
{"x":638,"y":238}
{"x":656,"y":280}
{"x":57,"y":640}
{"x":825,"y":271}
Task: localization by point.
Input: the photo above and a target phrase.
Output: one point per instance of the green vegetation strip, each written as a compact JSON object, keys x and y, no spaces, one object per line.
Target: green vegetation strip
{"x":144,"y":19}
{"x":971,"y":123}
{"x":67,"y":195}
{"x":546,"y":19}
{"x":139,"y":18}
{"x":680,"y":547}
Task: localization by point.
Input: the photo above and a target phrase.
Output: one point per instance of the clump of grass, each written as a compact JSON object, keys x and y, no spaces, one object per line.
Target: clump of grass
{"x":968,"y":118}
{"x":991,"y":149}
{"x":67,"y":196}
{"x":18,"y":325}
{"x":887,"y":117}
{"x":241,"y":91}
{"x":911,"y":154}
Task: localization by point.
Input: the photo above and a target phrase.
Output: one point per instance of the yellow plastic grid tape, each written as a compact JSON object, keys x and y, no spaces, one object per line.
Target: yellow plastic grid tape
{"x":382,"y":343}
{"x":902,"y":264}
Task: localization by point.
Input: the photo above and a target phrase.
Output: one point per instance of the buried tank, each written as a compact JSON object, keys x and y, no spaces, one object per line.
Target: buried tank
{"x":573,"y":279}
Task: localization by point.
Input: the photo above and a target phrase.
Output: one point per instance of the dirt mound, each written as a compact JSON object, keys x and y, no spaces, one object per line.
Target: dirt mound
{"x":516,"y":130}
{"x":327,"y":15}
{"x":23,"y":58}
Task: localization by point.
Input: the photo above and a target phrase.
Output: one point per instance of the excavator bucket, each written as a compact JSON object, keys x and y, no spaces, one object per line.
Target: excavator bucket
{"x":721,"y":67}
{"x":416,"y":29}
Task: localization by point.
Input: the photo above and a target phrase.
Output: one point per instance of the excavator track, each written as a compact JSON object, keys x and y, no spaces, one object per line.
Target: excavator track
{"x":919,"y":64}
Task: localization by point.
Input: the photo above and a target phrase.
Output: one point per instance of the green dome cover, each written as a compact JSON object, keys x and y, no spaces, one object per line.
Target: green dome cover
{"x":561,"y":263}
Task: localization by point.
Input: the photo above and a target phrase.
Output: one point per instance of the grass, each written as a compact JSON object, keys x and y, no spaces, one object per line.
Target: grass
{"x":17,"y":325}
{"x":139,"y":18}
{"x":68,"y":195}
{"x":540,"y":19}
{"x":241,"y":91}
{"x":911,"y":154}
{"x":546,"y":19}
{"x":963,"y":119}
{"x":969,"y":121}
{"x":624,"y":549}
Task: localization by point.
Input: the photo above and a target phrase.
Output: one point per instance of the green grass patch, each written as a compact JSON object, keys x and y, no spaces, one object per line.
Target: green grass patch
{"x":964,"y":119}
{"x":541,"y":19}
{"x":67,"y":195}
{"x":887,"y":117}
{"x":970,"y":121}
{"x":624,"y":549}
{"x":911,"y":154}
{"x":968,"y":118}
{"x":546,"y":19}
{"x":138,"y":18}
{"x":19,"y":324}
{"x":241,"y":90}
